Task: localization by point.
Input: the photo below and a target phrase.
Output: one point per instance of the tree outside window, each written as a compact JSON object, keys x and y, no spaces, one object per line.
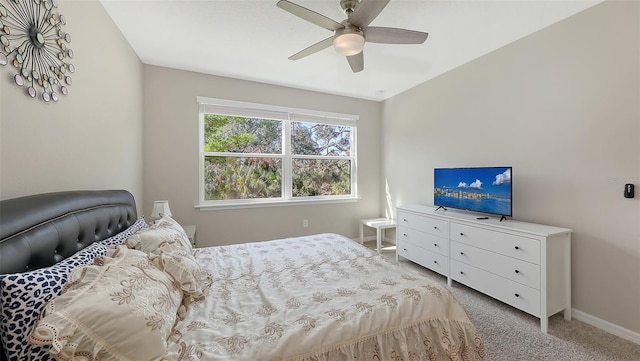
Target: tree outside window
{"x":253,"y":158}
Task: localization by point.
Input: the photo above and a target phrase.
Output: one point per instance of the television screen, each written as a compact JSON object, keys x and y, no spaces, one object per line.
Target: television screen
{"x":480,"y":189}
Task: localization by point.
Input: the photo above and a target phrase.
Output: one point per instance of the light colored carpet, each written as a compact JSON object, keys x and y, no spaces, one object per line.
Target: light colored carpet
{"x":512,"y":335}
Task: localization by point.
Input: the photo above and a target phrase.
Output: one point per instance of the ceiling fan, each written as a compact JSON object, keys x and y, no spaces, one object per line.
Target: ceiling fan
{"x":351,"y":34}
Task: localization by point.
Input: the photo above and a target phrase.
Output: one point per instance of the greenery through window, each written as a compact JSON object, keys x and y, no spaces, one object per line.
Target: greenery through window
{"x":253,"y":159}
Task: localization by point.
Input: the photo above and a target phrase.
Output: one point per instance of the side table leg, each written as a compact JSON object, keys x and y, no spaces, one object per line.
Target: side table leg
{"x":379,"y":239}
{"x":361,"y":233}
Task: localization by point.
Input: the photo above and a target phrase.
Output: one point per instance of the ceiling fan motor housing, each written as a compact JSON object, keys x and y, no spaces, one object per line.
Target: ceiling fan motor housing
{"x":349,"y":5}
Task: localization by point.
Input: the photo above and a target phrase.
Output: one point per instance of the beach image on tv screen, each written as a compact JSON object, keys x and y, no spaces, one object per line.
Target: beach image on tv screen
{"x":486,"y":190}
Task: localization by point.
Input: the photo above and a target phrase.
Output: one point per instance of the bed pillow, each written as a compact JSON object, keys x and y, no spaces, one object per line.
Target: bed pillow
{"x":119,"y":238}
{"x":23,"y":295}
{"x":183,"y":268}
{"x":163,"y":231}
{"x":121,"y":255}
{"x":111,"y":312}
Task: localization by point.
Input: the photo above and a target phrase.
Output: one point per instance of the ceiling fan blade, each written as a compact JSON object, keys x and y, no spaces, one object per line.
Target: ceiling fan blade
{"x":366,"y":11}
{"x":356,"y":62}
{"x":309,"y":15}
{"x":377,"y":34}
{"x":313,"y":49}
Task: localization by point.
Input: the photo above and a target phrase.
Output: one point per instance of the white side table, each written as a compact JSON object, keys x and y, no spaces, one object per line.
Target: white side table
{"x":191,"y":234}
{"x":381,"y":225}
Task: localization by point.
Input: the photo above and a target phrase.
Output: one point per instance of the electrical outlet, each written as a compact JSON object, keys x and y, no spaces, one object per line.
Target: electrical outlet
{"x":305,"y":223}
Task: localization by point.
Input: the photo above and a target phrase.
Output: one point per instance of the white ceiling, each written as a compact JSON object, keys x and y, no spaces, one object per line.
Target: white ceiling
{"x":252,"y":40}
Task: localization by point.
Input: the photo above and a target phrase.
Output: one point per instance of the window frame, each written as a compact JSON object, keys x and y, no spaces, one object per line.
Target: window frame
{"x":287,"y":115}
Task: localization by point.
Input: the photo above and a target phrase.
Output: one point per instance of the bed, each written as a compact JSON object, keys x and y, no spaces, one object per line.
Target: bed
{"x":117,"y":288}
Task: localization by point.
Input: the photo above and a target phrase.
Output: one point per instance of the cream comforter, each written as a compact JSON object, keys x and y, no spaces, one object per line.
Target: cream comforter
{"x":320,"y":297}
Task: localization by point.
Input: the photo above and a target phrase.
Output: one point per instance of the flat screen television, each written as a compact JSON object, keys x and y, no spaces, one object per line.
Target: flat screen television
{"x":478,"y":189}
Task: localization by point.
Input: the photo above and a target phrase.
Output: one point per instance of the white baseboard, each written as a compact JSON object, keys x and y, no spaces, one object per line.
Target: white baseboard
{"x":606,"y":326}
{"x":373,"y":238}
{"x":365,"y":239}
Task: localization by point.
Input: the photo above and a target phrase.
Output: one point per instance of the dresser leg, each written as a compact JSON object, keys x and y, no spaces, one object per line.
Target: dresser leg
{"x":567,"y":313}
{"x":544,"y":324}
{"x":449,"y":281}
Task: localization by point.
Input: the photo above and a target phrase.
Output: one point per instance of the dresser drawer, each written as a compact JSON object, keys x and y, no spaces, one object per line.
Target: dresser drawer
{"x":433,"y":226}
{"x":516,"y":270}
{"x":524,"y":248}
{"x":424,"y":240}
{"x":517,"y":295}
{"x":431,"y":260}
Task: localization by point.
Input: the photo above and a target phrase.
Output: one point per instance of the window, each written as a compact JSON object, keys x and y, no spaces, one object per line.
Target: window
{"x":254,"y":154}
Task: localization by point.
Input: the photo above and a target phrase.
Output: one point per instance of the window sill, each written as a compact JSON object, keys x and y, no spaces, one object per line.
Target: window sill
{"x":278,"y":203}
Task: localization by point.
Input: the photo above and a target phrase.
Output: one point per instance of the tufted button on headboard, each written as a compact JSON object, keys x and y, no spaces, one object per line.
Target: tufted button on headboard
{"x":40,"y":230}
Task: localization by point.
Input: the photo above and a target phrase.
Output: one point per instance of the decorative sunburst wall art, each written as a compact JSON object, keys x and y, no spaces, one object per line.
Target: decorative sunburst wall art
{"x":34,"y":42}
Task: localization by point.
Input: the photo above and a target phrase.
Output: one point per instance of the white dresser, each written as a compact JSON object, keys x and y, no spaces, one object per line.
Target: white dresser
{"x":525,"y":265}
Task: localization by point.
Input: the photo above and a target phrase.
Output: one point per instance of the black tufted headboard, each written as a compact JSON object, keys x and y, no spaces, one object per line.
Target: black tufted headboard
{"x":43,"y":229}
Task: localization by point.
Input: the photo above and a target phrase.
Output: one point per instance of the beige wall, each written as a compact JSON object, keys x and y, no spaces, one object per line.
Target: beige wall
{"x":562,"y":106}
{"x":171,"y":158}
{"x":90,"y":139}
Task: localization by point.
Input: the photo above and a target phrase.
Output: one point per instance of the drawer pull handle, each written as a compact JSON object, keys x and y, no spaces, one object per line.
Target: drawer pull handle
{"x":462,"y":234}
{"x":517,"y":247}
{"x":435,"y":244}
{"x":435,"y":227}
{"x":404,"y":220}
{"x":517,"y":295}
{"x":462,"y":253}
{"x":517,"y":271}
{"x":461,"y":272}
{"x":436,"y":262}
{"x":405,"y":249}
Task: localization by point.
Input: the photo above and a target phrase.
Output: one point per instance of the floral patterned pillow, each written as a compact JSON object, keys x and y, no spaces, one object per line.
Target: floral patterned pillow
{"x":182,"y":266}
{"x":121,"y":255}
{"x":114,"y":312}
{"x":165,"y":230}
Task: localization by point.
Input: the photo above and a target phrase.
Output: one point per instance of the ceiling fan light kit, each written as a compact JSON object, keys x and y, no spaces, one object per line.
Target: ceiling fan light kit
{"x":348,"y":41}
{"x":350,"y":35}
